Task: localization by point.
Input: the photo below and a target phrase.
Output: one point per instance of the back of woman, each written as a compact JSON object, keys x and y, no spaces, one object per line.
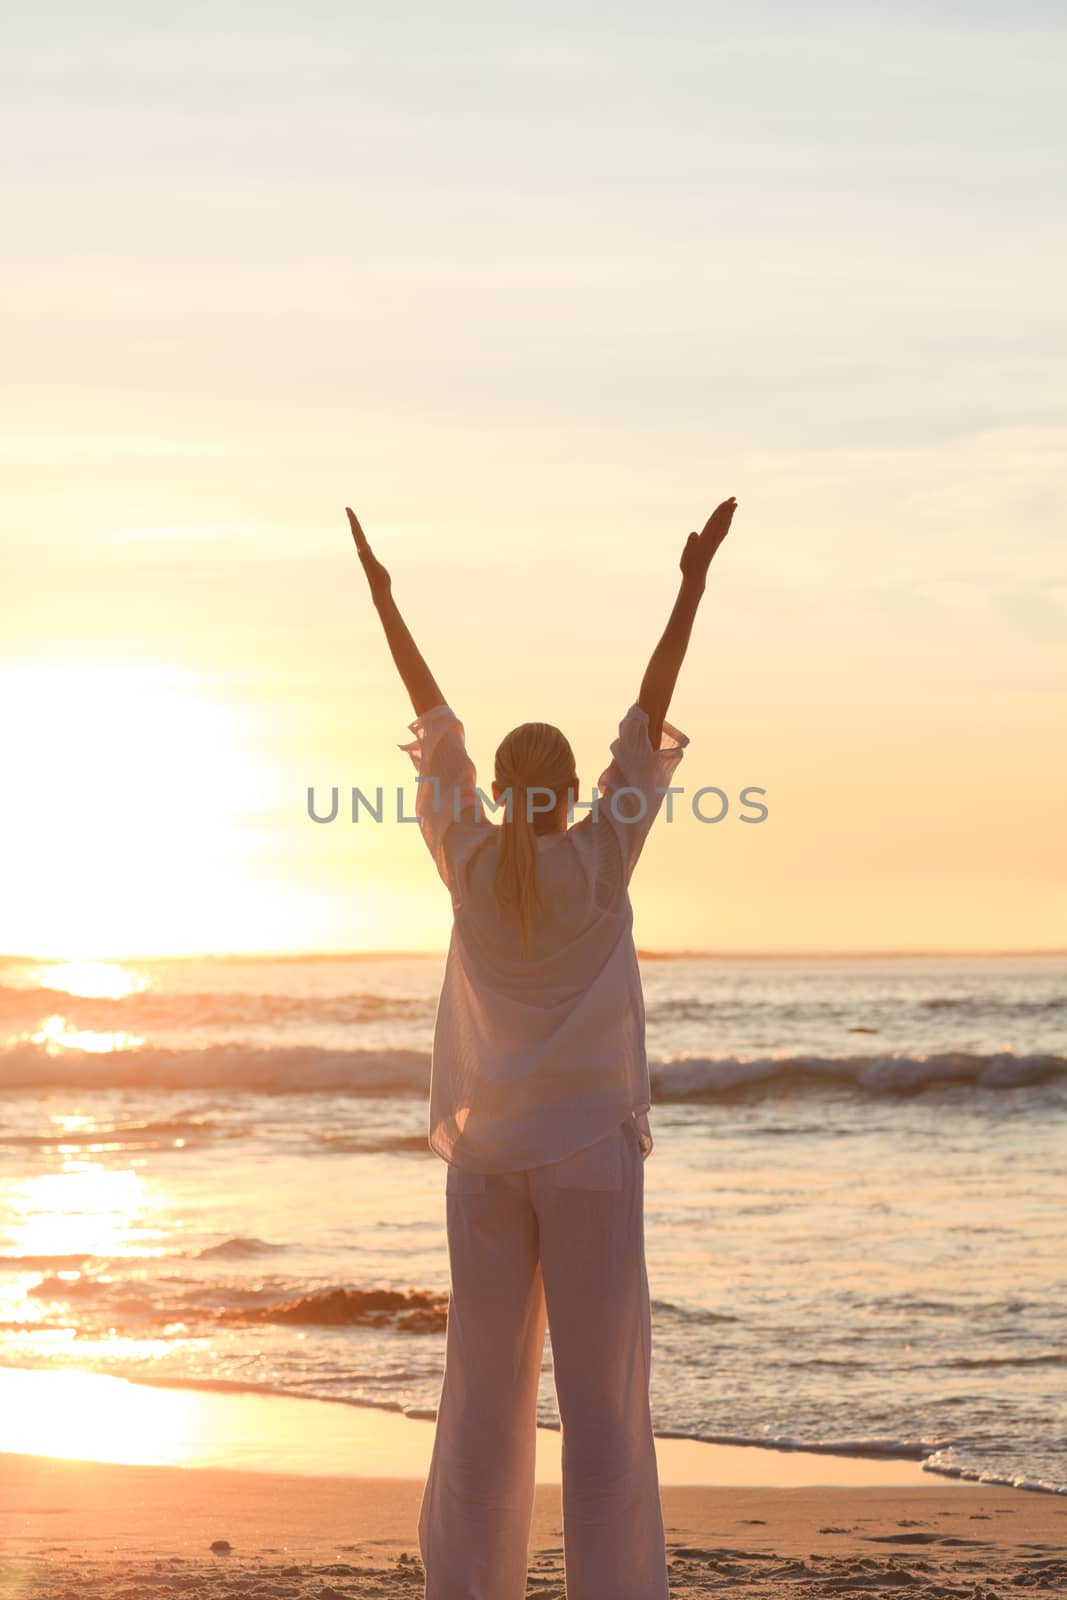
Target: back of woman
{"x":539,"y":1101}
{"x":539,"y":1041}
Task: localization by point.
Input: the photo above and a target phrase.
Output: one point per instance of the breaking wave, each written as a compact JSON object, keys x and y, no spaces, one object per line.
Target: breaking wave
{"x":309,"y":1069}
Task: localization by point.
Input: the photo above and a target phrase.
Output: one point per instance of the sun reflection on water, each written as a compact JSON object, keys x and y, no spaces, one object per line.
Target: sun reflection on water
{"x":57,"y":1034}
{"x":92,"y":980}
{"x":85,"y":1209}
{"x":67,"y":1230}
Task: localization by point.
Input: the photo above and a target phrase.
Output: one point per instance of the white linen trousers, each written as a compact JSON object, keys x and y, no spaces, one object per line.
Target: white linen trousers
{"x":562,"y":1243}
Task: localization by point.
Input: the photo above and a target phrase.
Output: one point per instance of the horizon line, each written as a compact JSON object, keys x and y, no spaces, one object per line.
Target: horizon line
{"x":644,"y":954}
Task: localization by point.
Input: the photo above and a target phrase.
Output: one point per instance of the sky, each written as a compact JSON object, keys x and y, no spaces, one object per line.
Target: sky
{"x":532,"y":289}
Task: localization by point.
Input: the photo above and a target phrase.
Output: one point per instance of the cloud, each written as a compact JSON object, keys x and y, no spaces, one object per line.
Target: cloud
{"x":187,"y":532}
{"x":45,"y":448}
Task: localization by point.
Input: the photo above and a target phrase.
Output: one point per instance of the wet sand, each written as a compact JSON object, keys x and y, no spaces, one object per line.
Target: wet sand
{"x":105,"y":1532}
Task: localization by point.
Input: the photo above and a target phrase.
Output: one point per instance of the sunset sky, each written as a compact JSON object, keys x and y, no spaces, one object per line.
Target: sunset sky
{"x":532,"y":290}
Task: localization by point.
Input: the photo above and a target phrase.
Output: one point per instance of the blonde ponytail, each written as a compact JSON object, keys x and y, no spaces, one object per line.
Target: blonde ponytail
{"x":533,"y":756}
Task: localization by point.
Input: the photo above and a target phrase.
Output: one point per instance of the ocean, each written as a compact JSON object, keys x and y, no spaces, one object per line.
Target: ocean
{"x":215,"y":1172}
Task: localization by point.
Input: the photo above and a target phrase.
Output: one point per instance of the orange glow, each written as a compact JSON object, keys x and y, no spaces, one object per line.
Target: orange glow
{"x":133,"y":816}
{"x":92,"y":980}
{"x":57,"y":1034}
{"x":84,"y":1416}
{"x":84,"y":1209}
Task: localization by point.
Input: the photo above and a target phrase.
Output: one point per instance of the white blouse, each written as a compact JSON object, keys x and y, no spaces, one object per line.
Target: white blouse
{"x":536,"y":1058}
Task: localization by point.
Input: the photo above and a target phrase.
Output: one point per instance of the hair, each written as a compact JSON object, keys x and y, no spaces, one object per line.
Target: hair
{"x":534,"y":755}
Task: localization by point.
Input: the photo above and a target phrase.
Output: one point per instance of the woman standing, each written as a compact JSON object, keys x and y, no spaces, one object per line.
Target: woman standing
{"x":539,"y":1102}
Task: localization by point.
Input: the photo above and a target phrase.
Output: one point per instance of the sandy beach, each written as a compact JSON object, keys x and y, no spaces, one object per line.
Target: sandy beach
{"x":202,"y":1511}
{"x":105,"y":1532}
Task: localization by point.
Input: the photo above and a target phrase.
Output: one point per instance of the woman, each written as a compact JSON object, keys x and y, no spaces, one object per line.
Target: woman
{"x":539,"y":1101}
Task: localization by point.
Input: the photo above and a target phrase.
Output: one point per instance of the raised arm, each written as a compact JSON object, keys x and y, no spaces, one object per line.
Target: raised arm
{"x":661,"y":674}
{"x":419,"y":681}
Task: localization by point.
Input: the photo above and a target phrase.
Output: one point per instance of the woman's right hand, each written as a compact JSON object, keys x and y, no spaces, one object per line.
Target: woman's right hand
{"x":700,"y":547}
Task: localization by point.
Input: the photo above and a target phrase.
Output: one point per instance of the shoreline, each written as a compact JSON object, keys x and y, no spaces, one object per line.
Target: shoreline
{"x":68,"y":1413}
